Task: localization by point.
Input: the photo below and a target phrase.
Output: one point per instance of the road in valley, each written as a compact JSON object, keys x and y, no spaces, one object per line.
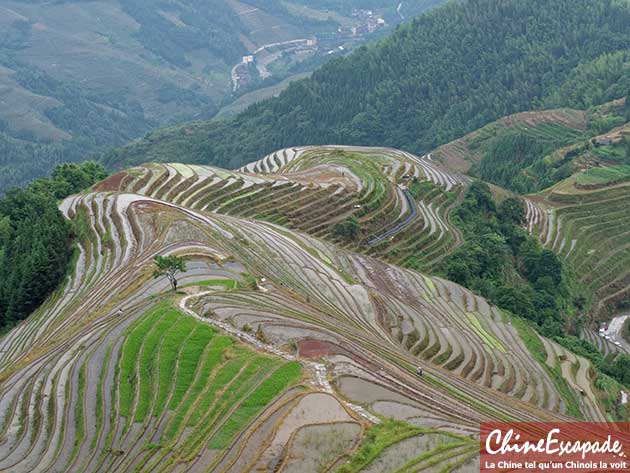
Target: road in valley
{"x":614,"y":331}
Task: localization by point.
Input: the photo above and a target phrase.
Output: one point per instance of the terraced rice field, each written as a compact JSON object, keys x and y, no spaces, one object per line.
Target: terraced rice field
{"x":313,"y":189}
{"x":431,"y":320}
{"x":394,"y":447}
{"x":119,"y":383}
{"x":591,"y":230}
{"x":600,"y":177}
{"x":606,"y":347}
{"x":280,"y":339}
{"x":399,"y":161}
{"x":535,"y":216}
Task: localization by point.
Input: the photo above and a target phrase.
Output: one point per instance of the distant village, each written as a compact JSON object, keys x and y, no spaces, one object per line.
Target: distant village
{"x":255,"y":66}
{"x":368,"y":23}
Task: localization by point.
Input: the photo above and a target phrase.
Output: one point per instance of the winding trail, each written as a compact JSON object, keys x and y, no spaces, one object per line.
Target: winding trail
{"x":319,"y":369}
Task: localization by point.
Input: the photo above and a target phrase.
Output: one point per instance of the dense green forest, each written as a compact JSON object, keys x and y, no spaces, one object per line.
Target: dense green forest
{"x":449,"y":72}
{"x":36,"y":240}
{"x":512,"y":152}
{"x":503,"y":263}
{"x":35,"y":160}
{"x":95,"y":121}
{"x":98,"y":118}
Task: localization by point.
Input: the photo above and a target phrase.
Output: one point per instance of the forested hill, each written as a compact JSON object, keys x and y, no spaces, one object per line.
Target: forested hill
{"x":447,"y":73}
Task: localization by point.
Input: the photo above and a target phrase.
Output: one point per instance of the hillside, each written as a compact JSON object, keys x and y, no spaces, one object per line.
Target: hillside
{"x":447,"y":73}
{"x":531,"y":151}
{"x":320,"y":191}
{"x":554,"y":128}
{"x":588,"y":227}
{"x":77,"y":77}
{"x":296,"y":332}
{"x":427,"y":234}
{"x":381,"y":202}
{"x":579,"y":162}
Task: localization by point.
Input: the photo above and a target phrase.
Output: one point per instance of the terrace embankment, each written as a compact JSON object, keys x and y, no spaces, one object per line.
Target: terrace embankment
{"x":317,"y":190}
{"x":123,"y":379}
{"x":591,"y":230}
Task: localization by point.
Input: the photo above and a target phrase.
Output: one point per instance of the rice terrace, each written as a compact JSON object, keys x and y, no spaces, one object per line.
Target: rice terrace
{"x":289,"y":345}
{"x":385,"y":233}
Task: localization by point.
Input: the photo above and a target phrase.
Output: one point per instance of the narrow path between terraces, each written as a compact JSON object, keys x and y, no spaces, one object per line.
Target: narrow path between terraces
{"x":319,"y":370}
{"x":399,"y":226}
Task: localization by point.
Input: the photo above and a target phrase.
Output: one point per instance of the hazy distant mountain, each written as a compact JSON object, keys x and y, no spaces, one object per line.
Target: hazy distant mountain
{"x":91,"y":74}
{"x":445,"y":74}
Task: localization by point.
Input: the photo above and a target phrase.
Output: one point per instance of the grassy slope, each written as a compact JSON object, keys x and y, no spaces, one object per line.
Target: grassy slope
{"x":604,"y":176}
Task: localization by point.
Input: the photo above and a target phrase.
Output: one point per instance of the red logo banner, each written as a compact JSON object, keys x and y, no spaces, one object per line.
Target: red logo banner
{"x":572,"y":447}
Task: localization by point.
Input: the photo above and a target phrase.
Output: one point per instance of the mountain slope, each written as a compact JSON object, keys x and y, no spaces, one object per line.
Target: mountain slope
{"x":447,"y":73}
{"x":532,"y":151}
{"x":321,"y":190}
{"x":554,"y":127}
{"x":128,"y":376}
{"x":590,"y":228}
{"x":580,"y":161}
{"x":313,"y":189}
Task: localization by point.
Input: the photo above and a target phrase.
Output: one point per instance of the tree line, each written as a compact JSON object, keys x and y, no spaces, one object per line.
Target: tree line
{"x":36,"y":240}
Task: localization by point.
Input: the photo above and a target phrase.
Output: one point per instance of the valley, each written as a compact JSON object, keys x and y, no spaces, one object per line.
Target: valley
{"x":77,"y":78}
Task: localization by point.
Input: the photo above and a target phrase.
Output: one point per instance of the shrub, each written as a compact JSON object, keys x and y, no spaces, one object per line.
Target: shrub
{"x":348,"y":230}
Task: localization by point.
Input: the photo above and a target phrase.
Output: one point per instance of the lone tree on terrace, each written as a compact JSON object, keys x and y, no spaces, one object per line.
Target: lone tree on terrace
{"x":169,"y":266}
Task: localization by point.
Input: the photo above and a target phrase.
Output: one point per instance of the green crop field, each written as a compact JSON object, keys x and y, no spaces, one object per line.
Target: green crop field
{"x":182,"y":371}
